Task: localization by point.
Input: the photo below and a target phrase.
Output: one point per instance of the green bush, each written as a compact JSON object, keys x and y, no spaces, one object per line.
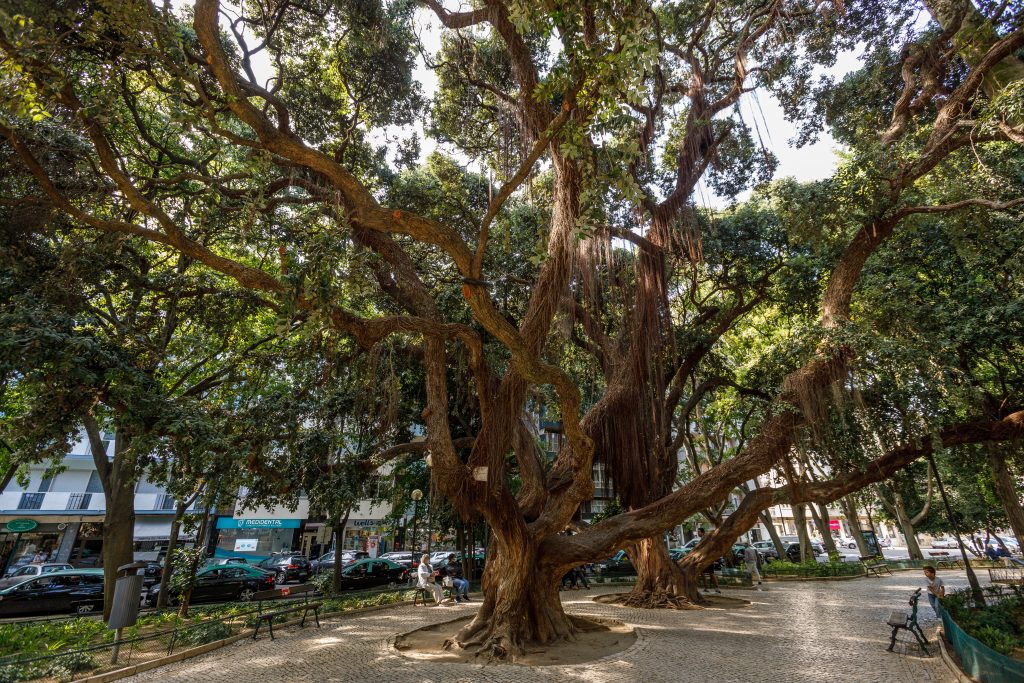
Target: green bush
{"x":204,"y":633}
{"x":999,"y":624}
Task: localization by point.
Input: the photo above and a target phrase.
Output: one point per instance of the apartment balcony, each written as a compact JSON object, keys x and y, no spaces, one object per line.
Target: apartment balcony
{"x":77,"y":502}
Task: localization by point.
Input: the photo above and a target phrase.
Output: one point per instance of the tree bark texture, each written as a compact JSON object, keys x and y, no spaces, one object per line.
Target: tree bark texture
{"x":660,"y":582}
{"x":1006,"y":490}
{"x":850,"y":508}
{"x":118,"y":476}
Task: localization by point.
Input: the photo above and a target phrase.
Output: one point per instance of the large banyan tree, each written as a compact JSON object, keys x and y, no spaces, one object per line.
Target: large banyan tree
{"x":256,"y":138}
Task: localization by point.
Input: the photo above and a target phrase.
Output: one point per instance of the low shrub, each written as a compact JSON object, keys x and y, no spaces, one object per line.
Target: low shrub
{"x":999,"y":624}
{"x":204,"y":633}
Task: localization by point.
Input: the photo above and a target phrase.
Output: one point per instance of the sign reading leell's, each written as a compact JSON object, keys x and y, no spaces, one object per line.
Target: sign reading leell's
{"x":20,"y":526}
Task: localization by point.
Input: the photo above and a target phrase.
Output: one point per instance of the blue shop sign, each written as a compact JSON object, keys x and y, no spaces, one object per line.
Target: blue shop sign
{"x":231,"y":523}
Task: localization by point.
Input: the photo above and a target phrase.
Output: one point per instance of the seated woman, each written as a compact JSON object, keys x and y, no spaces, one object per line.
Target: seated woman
{"x":425,"y":579}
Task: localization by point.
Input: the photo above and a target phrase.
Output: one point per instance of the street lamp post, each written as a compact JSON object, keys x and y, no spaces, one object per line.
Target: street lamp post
{"x":416,"y":495}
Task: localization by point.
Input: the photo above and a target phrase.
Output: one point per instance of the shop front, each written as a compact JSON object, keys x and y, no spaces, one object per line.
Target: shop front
{"x":256,"y":539}
{"x":24,"y":540}
{"x":358,"y":534}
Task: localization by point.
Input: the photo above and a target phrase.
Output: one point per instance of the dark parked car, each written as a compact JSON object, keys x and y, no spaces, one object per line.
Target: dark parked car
{"x":793,"y":550}
{"x":28,"y":571}
{"x":227,"y":582}
{"x":618,"y":564}
{"x":376,"y":572}
{"x":78,"y":590}
{"x":288,"y":567}
{"x":325,"y":563}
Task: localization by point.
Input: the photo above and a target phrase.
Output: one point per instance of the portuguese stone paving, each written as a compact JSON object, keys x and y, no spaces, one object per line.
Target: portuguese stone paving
{"x":795,"y":632}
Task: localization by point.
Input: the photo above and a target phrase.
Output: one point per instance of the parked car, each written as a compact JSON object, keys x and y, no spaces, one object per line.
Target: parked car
{"x":224,"y":582}
{"x":77,"y":591}
{"x":28,"y":571}
{"x":767,"y":549}
{"x":368,"y":573}
{"x":288,"y":567}
{"x":793,"y":550}
{"x":402,"y":557}
{"x":220,"y":561}
{"x":944,"y":542}
{"x":325,"y":563}
{"x":1010,"y":543}
{"x":618,"y":564}
{"x":152,"y":573}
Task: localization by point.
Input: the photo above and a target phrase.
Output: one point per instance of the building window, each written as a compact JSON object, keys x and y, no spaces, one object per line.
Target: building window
{"x":94,"y":485}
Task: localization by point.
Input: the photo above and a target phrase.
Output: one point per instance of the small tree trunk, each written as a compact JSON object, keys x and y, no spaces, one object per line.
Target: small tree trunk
{"x":773,"y":534}
{"x":821,"y":520}
{"x":660,"y":582}
{"x":339,"y":530}
{"x":172,"y":544}
{"x":800,"y":518}
{"x":851,"y":514}
{"x":197,"y":560}
{"x":1006,"y":491}
{"x":907,"y":526}
{"x":118,"y":478}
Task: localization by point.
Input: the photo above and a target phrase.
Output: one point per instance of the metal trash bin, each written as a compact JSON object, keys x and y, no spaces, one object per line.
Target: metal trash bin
{"x":124,"y":610}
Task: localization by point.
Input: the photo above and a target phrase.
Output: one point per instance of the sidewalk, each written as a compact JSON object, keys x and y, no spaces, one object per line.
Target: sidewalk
{"x":794,"y":632}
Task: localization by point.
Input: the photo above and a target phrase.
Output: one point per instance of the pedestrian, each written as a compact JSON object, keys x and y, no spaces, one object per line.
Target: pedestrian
{"x":991,"y":553}
{"x":581,"y":576}
{"x":39,"y":557}
{"x":425,"y":576}
{"x":752,"y":558}
{"x":459,"y":584}
{"x":936,"y":588}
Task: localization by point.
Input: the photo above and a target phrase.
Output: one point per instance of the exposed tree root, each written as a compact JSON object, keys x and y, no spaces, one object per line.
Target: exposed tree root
{"x":658,"y":600}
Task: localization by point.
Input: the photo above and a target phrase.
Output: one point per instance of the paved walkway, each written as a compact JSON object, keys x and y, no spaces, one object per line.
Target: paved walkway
{"x":794,"y":632}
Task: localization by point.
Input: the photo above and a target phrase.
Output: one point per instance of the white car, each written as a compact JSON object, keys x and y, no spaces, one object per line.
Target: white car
{"x":944,"y":543}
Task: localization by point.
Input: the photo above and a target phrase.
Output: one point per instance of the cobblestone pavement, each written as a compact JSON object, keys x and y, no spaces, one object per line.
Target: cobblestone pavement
{"x":794,"y":632}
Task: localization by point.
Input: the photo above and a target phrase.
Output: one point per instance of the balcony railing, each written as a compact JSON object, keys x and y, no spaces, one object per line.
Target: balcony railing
{"x":79,"y":501}
{"x":31,"y":501}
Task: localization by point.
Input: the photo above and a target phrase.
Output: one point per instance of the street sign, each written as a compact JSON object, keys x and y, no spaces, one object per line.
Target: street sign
{"x":833,"y":524}
{"x":20,"y":526}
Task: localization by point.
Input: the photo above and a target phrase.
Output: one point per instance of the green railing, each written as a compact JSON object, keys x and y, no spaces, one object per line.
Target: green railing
{"x":979,"y":661}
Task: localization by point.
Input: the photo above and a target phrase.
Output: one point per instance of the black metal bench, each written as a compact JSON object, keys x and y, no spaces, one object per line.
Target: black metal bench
{"x":899,"y":619}
{"x":875,"y":565}
{"x":306,"y":606}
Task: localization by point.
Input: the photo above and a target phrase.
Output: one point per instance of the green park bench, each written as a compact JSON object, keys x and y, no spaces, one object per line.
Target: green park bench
{"x":305,"y":606}
{"x":874,"y":566}
{"x":899,"y":619}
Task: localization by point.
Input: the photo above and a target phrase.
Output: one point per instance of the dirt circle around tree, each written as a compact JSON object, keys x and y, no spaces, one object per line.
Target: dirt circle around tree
{"x":714,"y":602}
{"x":597,"y":638}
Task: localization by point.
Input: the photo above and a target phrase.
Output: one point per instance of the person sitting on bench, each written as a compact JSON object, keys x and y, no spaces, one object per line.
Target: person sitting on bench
{"x":425,"y":579}
{"x":459,"y":584}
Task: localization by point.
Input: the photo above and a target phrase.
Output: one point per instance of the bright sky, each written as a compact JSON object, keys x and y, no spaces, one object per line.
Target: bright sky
{"x":760,"y":110}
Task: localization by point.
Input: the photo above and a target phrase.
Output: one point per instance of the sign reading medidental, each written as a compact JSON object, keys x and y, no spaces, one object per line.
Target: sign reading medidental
{"x":230,"y":523}
{"x":20,"y":526}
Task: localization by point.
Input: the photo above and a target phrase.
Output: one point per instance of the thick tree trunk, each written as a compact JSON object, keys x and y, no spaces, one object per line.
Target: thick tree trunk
{"x":521,"y":606}
{"x":660,"y":582}
{"x":172,"y":544}
{"x":1006,"y":491}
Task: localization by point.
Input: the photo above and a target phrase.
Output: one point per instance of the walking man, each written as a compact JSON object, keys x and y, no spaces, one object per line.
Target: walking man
{"x":752,"y":559}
